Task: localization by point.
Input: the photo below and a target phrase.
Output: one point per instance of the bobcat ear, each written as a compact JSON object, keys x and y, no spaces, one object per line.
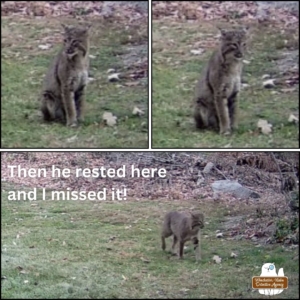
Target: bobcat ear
{"x":222,"y":31}
{"x":246,"y":28}
{"x":195,"y":214}
{"x":65,"y":27}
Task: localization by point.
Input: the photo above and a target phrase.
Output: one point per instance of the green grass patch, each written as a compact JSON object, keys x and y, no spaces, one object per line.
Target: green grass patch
{"x":176,"y":71}
{"x":24,"y":64}
{"x":105,"y":249}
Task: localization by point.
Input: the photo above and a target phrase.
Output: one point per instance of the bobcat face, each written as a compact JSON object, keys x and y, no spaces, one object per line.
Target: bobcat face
{"x":75,"y":40}
{"x":233,"y":44}
{"x":197,"y":220}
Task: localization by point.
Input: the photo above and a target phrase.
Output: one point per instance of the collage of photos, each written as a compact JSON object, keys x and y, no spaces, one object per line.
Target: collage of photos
{"x":149,"y":149}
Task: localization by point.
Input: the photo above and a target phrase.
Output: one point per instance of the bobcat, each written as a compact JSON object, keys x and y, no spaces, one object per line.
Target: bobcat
{"x":64,"y":85}
{"x":216,"y":101}
{"x":183,"y":226}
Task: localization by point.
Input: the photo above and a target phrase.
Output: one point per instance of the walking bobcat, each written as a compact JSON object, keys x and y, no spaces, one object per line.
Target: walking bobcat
{"x":184,"y":226}
{"x":64,"y":85}
{"x":216,"y":101}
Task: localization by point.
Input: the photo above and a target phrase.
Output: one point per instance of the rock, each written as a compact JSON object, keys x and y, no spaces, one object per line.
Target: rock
{"x":233,"y":187}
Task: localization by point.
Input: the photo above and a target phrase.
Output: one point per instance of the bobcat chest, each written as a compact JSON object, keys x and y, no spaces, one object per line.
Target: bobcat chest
{"x":231,"y":85}
{"x":235,"y":78}
{"x":79,"y":79}
{"x":236,"y":83}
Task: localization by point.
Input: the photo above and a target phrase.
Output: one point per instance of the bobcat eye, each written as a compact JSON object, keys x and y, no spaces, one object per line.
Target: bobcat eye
{"x":234,"y":46}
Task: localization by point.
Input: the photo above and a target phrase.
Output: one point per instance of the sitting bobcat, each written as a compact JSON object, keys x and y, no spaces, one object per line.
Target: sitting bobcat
{"x":64,"y":85}
{"x":216,"y":101}
{"x":184,"y":226}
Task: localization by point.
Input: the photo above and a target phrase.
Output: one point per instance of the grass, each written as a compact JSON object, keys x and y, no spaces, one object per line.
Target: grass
{"x":176,"y":71}
{"x":24,"y":64}
{"x":105,"y":249}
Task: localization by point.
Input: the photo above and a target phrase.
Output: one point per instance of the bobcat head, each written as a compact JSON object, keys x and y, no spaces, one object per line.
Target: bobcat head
{"x":197,"y":220}
{"x":76,"y":40}
{"x":233,"y":44}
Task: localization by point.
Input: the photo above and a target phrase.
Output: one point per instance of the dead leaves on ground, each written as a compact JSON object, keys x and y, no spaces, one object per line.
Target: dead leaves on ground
{"x":226,"y":10}
{"x":109,"y":119}
{"x":264,"y":126}
{"x":113,"y":12}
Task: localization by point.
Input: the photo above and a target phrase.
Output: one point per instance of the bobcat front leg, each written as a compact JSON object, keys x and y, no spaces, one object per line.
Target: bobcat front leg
{"x":197,"y":246}
{"x":233,"y":104}
{"x":181,"y":246}
{"x":175,"y":239}
{"x":69,"y":106}
{"x":79,"y":102}
{"x":221,"y":105}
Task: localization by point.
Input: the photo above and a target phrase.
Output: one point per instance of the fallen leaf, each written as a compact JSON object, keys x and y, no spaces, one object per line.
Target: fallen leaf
{"x":293,"y":119}
{"x":44,"y":47}
{"x":137,"y":112}
{"x":197,"y":52}
{"x":109,"y":118}
{"x":217,"y":259}
{"x":265,"y":76}
{"x":114,"y":77}
{"x":145,"y":260}
{"x":269,"y":83}
{"x":265,"y":127}
{"x":72,"y":139}
{"x":233,"y":255}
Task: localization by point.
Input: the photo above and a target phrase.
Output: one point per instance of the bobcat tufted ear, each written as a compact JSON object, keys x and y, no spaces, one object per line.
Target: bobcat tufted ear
{"x":65,"y":27}
{"x":246,"y":28}
{"x":222,"y":31}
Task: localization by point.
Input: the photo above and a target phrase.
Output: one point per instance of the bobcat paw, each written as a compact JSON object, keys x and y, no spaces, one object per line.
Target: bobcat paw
{"x":72,"y":124}
{"x":225,"y":132}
